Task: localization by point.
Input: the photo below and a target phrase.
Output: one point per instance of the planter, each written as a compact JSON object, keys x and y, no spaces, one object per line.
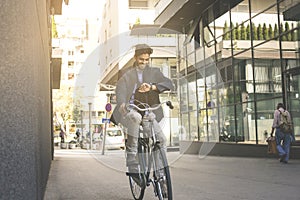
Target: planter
{"x":63,"y":145}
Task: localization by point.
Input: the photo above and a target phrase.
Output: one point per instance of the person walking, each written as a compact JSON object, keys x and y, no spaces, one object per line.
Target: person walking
{"x":143,"y":83}
{"x":282,"y":137}
{"x":62,"y":136}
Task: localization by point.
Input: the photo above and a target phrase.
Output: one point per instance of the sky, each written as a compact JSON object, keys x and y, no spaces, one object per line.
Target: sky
{"x":84,"y":8}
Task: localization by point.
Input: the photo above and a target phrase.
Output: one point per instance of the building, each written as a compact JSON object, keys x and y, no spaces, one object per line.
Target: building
{"x":25,"y":104}
{"x":125,"y":24}
{"x":77,"y":102}
{"x":236,"y":60}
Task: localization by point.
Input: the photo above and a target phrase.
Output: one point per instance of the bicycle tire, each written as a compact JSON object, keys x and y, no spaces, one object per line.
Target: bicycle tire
{"x":162,"y":175}
{"x":138,"y":189}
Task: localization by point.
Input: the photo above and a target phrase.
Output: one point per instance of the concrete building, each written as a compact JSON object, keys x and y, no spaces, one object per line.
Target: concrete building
{"x":25,"y":103}
{"x":236,"y":60}
{"x":77,"y":46}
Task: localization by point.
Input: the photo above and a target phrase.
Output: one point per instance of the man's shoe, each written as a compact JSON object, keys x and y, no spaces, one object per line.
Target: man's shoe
{"x":282,"y":158}
{"x":137,"y":178}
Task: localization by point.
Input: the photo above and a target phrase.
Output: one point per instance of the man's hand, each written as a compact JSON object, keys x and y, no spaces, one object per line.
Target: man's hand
{"x":146,"y":87}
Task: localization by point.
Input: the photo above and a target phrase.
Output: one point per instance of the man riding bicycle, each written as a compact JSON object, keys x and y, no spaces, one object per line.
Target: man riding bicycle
{"x":143,"y":83}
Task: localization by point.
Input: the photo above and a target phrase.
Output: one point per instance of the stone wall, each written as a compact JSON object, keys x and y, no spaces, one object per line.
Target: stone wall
{"x":25,"y":102}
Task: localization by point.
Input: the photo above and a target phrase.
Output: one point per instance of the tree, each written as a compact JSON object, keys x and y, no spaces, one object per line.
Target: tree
{"x":63,"y":105}
{"x":233,"y":31}
{"x":281,"y":31}
{"x":254,"y":32}
{"x":259,"y":32}
{"x":226,"y":35}
{"x":54,"y":30}
{"x":276,"y":33}
{"x":237,"y":32}
{"x":138,"y":21}
{"x":294,"y":33}
{"x":287,"y":31}
{"x":248,"y":32}
{"x":243,"y":32}
{"x":270,"y":32}
{"x":265,"y":32}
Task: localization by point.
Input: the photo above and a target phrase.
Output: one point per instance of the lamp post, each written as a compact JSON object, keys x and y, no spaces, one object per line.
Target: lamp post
{"x":81,"y":124}
{"x":90,"y":125}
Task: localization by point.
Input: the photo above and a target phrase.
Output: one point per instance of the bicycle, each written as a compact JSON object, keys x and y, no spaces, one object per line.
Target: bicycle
{"x":150,"y":156}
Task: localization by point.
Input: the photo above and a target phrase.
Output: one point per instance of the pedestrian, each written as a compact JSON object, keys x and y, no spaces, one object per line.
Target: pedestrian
{"x":282,"y":137}
{"x":144,"y":83}
{"x":62,"y":136}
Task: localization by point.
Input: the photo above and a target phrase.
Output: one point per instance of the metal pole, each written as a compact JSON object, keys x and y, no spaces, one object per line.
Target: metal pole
{"x":90,"y":125}
{"x":104,"y":136}
{"x":81,"y":125}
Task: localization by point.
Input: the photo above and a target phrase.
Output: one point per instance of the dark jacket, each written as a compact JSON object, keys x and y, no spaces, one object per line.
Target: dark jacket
{"x":126,"y":84}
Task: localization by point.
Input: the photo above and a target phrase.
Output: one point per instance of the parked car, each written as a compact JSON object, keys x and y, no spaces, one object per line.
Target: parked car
{"x":114,"y":138}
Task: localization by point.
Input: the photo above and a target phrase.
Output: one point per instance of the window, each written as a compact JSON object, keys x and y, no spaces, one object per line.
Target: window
{"x":70,"y":64}
{"x":70,"y":76}
{"x":138,"y":4}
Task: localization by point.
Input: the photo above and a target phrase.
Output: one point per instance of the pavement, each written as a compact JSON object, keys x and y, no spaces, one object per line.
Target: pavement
{"x":79,"y":174}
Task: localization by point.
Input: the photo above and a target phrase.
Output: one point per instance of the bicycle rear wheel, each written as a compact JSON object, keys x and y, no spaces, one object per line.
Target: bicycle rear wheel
{"x":162,"y":175}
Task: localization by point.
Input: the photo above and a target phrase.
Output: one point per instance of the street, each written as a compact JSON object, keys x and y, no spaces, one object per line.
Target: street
{"x":83,"y":174}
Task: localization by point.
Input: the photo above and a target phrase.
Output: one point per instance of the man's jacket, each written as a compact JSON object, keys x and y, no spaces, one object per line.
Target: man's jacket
{"x":129,"y":81}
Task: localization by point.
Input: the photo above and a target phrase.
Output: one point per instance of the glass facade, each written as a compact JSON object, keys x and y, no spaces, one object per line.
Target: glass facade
{"x":241,"y":62}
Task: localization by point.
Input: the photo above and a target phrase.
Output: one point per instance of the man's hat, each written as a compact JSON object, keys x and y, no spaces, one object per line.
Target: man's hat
{"x":142,"y":48}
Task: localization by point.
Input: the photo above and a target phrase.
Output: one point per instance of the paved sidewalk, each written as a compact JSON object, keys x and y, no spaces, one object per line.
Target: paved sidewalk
{"x":78,"y":174}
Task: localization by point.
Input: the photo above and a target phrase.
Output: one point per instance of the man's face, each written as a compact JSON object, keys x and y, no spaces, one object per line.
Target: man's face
{"x":142,"y":61}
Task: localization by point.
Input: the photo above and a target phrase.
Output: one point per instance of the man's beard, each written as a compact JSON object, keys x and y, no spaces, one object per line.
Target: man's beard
{"x":142,"y":66}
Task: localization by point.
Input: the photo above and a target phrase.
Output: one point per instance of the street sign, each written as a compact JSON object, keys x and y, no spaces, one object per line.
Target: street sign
{"x":108,"y":107}
{"x":105,"y":120}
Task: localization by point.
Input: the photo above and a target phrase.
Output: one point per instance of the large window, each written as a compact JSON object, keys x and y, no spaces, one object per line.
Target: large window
{"x":242,"y":60}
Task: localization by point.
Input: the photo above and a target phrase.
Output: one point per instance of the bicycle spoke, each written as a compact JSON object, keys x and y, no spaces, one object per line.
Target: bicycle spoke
{"x":162,"y":175}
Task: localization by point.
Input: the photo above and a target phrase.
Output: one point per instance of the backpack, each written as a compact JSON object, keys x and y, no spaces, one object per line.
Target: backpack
{"x":284,"y":123}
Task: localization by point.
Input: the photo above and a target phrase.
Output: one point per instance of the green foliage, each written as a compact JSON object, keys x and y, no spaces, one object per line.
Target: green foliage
{"x":294,"y":33}
{"x":281,"y":30}
{"x":138,"y":21}
{"x":233,"y":31}
{"x":259,"y":32}
{"x":276,"y":32}
{"x":54,"y":30}
{"x":237,"y":32}
{"x":254,"y":32}
{"x":243,"y":32}
{"x":287,"y":31}
{"x":226,"y":35}
{"x":265,"y":32}
{"x":270,"y":32}
{"x":248,"y":32}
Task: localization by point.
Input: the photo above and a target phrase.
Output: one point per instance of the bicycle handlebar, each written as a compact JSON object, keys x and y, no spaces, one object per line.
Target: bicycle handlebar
{"x":168,"y":103}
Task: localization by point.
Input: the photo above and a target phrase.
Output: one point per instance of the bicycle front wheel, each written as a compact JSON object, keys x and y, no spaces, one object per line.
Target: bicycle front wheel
{"x":138,"y":182}
{"x":136,"y":188}
{"x":162,"y":175}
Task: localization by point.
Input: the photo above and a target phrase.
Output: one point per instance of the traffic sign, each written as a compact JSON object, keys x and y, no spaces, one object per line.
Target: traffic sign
{"x":108,"y":107}
{"x":105,"y":120}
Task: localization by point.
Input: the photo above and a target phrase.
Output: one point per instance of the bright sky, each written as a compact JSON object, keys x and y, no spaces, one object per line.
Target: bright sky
{"x":83,"y":8}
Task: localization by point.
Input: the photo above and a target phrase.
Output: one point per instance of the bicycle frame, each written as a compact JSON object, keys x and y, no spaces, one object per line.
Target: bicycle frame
{"x":151,"y":156}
